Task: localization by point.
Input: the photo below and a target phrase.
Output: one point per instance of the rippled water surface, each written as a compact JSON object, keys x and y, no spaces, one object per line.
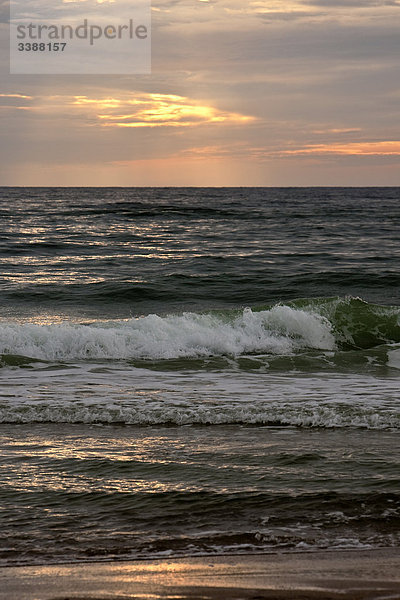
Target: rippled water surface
{"x":193,"y":371}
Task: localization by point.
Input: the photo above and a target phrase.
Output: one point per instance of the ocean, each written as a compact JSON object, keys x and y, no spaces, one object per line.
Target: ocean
{"x":198,"y":371}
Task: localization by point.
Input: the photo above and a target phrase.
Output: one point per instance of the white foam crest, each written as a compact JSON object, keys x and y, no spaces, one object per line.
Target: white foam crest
{"x":120,"y":393}
{"x":394,"y":358}
{"x":280,"y":330}
{"x":154,"y":414}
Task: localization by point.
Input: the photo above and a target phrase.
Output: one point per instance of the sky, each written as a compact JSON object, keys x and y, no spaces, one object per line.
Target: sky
{"x":241,"y":93}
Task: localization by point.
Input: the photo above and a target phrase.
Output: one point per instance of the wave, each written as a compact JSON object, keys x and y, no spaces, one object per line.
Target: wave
{"x":139,"y":525}
{"x":279,"y":330}
{"x":225,"y":281}
{"x":270,"y":414}
{"x":323,"y":324}
{"x":356,"y":323}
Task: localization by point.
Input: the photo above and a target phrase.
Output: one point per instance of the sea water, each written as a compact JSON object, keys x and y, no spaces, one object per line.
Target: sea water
{"x":189,"y":371}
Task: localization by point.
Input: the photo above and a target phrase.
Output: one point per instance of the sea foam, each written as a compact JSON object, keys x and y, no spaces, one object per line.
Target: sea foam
{"x":280,"y":330}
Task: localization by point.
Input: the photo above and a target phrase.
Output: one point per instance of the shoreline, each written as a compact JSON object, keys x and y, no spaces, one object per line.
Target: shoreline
{"x":205,"y":557}
{"x":347,"y":574}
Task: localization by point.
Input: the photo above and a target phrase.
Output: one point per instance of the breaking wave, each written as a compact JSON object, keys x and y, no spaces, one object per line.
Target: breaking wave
{"x":325,"y":324}
{"x":280,"y":330}
{"x":267,"y":414}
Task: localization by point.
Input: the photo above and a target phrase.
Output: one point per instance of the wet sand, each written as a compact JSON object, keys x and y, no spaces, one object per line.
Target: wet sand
{"x":355,"y":575}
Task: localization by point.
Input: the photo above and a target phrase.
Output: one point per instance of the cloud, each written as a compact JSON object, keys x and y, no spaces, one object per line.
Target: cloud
{"x":157,"y":110}
{"x":15,"y":101}
{"x":16,"y":96}
{"x":245,"y":151}
{"x":266,"y":84}
{"x":341,"y":130}
{"x":382,"y":148}
{"x":350,"y":3}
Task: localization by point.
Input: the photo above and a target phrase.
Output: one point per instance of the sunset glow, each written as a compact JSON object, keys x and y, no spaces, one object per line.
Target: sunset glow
{"x":389,"y":148}
{"x":241,"y":93}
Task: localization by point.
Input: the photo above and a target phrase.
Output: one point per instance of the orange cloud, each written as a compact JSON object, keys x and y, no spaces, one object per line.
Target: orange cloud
{"x":15,"y":96}
{"x":338,"y":130}
{"x":14,"y":102}
{"x":243,"y":150}
{"x":384,"y":148}
{"x":157,"y":110}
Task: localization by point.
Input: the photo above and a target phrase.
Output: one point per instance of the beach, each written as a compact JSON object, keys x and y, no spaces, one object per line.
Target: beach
{"x":369,"y":575}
